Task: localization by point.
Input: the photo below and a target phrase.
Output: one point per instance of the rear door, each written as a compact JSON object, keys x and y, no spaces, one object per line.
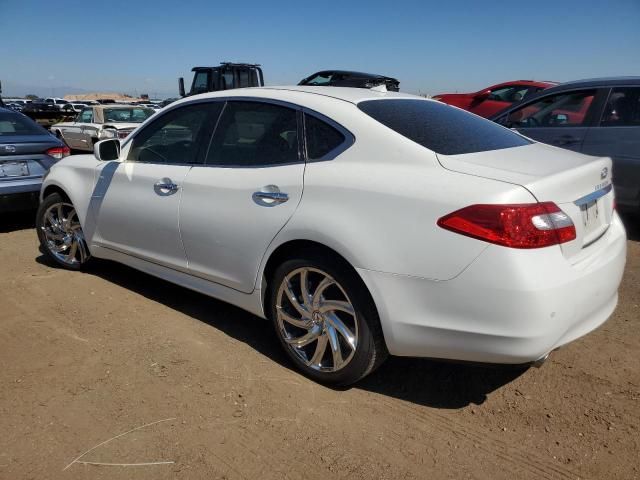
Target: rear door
{"x":617,"y":135}
{"x":235,"y":204}
{"x":560,"y":119}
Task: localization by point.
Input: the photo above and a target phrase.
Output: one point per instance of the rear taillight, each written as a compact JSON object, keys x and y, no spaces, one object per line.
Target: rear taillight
{"x":527,"y":225}
{"x":58,"y":152}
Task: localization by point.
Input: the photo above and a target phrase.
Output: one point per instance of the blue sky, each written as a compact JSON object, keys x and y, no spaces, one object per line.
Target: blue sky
{"x":432,"y":47}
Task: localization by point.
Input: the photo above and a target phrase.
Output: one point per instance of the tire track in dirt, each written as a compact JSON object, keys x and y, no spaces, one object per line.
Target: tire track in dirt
{"x":515,"y":459}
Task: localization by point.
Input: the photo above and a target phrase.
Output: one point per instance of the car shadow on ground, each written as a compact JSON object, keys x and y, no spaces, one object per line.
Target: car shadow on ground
{"x":632,"y":225}
{"x":13,"y":221}
{"x":420,"y":381}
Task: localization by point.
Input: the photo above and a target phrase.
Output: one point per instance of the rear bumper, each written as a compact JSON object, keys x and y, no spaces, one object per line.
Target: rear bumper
{"x":508,"y":306}
{"x":19,"y":194}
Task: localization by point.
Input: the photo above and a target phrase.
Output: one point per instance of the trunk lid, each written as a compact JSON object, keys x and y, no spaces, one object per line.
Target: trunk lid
{"x":578,"y":184}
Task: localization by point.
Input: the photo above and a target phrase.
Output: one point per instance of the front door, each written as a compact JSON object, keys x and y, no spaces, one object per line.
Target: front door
{"x":559,"y":119}
{"x":251,"y":183}
{"x":137,"y":201}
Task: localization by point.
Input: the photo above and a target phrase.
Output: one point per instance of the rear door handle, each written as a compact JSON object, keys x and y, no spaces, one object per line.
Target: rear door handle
{"x":277,"y":197}
{"x":270,"y":196}
{"x":165,"y":186}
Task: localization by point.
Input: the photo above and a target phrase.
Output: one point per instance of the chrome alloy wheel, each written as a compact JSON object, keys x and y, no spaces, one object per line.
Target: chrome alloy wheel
{"x":316,"y":319}
{"x":63,"y":234}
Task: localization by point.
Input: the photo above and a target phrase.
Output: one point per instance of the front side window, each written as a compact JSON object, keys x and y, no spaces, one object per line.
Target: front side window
{"x":86,"y":116}
{"x":322,"y":138}
{"x":201,"y":82}
{"x":623,"y":108}
{"x":255,"y":134}
{"x":441,"y":128}
{"x":177,"y":136}
{"x":562,"y":110}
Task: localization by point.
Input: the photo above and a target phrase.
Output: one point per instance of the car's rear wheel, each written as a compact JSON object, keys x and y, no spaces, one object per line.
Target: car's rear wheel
{"x":326,"y":320}
{"x":60,"y":233}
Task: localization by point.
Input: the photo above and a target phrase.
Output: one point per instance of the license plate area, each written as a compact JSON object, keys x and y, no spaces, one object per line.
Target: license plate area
{"x":13,"y":169}
{"x":593,"y":218}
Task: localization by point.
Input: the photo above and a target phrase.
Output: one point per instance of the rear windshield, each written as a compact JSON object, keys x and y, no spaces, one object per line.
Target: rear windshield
{"x":127,"y":115}
{"x":441,"y":128}
{"x":17,"y":124}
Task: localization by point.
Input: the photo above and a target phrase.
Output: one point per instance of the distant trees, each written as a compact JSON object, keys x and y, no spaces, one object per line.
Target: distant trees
{"x":31,"y":96}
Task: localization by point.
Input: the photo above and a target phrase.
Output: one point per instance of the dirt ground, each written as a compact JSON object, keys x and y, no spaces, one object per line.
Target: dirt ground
{"x":86,"y":357}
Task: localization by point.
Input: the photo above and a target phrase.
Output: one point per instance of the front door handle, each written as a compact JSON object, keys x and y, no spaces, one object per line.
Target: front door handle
{"x":270,"y":196}
{"x":165,"y":187}
{"x":567,"y":140}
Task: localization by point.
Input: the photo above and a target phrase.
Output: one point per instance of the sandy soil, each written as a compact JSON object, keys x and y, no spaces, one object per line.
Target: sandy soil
{"x":85,"y":357}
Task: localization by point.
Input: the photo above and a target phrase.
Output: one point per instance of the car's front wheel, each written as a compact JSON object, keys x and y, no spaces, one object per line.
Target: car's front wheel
{"x":326,"y":320}
{"x":60,"y":233}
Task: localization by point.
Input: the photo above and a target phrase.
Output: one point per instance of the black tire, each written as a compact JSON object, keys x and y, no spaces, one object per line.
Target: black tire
{"x":84,"y":260}
{"x":370,"y":351}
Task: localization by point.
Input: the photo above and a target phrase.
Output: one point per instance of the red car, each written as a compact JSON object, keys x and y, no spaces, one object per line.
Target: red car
{"x":489,"y":101}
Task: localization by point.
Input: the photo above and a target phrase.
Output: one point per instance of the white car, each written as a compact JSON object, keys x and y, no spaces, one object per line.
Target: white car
{"x":98,"y":122}
{"x":359,"y":222}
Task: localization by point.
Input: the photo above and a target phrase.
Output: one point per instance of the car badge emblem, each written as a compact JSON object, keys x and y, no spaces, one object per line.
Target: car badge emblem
{"x":9,"y":148}
{"x":603,"y":173}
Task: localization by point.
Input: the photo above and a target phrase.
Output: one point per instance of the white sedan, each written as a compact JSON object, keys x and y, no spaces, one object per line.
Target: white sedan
{"x":361,"y":223}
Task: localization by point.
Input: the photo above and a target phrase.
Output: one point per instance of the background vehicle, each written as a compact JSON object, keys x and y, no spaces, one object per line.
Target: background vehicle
{"x":59,"y":103}
{"x":27,"y":151}
{"x":99,"y":122}
{"x":16,"y":107}
{"x":48,"y":113}
{"x":492,"y":100}
{"x":224,"y":77}
{"x":598,"y":117}
{"x":345,"y":78}
{"x":209,"y":194}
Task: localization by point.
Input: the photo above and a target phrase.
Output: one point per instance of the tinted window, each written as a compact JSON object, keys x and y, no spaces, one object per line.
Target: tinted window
{"x":623,"y":108}
{"x":511,"y":93}
{"x":321,"y":137}
{"x":254,"y":134}
{"x":201,"y":82}
{"x":441,"y":128}
{"x":176,"y":136}
{"x":17,"y":124}
{"x":564,"y":109}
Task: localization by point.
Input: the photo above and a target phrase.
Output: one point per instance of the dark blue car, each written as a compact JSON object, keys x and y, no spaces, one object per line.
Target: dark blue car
{"x":27,"y":151}
{"x":597,"y":117}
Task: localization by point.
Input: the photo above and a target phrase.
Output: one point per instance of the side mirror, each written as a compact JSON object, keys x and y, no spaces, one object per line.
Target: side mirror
{"x":106,"y":150}
{"x":181,"y":87}
{"x":482,"y":96}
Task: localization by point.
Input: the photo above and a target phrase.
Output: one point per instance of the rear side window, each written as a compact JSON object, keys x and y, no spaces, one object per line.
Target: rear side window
{"x":623,"y":108}
{"x":441,"y":128}
{"x":322,"y":138}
